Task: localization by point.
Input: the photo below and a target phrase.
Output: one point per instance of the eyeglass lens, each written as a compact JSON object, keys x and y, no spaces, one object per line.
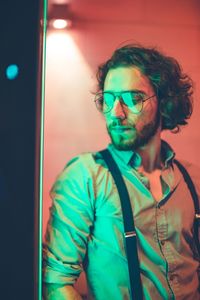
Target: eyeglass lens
{"x":130,"y":99}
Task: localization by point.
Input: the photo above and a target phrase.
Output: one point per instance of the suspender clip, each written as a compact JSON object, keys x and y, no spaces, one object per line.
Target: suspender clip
{"x":129,"y":234}
{"x":197,"y":216}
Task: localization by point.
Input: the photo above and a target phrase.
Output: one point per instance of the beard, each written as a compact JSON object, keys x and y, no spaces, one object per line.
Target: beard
{"x":132,"y":139}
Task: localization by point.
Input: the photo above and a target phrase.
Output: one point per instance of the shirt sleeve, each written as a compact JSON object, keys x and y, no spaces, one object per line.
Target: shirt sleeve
{"x":69,"y":226}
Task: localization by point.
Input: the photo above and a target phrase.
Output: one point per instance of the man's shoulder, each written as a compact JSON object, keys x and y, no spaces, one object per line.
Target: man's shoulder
{"x":84,"y":164}
{"x":193,"y":171}
{"x":192,"y":168}
{"x":86,"y":159}
{"x":79,"y":170}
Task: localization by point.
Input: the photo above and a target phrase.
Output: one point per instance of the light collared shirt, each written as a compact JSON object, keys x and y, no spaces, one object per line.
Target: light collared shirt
{"x":85,"y":229}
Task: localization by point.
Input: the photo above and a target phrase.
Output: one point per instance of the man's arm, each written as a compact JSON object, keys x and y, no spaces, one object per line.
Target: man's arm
{"x":67,"y":233}
{"x":55,"y":291}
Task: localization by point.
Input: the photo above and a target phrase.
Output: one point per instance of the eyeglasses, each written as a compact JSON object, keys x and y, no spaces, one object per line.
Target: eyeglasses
{"x":134,"y":100}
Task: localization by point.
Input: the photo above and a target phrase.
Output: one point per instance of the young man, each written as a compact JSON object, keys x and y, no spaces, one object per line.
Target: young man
{"x":141,"y":92}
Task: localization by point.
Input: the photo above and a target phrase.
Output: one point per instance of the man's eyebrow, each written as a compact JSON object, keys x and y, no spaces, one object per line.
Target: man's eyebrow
{"x":124,"y":91}
{"x":137,"y":91}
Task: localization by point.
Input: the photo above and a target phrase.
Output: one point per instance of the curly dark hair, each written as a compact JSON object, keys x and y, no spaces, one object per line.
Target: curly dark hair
{"x":173,"y":88}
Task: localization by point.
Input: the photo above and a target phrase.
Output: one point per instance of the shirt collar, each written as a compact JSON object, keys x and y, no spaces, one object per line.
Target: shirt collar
{"x":128,"y":157}
{"x":167,"y":153}
{"x":133,"y":159}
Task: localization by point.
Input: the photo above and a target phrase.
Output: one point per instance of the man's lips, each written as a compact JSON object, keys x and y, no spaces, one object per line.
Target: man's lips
{"x":121,"y":128}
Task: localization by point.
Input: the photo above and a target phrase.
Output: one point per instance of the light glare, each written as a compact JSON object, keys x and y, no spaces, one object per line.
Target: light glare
{"x":61,"y":24}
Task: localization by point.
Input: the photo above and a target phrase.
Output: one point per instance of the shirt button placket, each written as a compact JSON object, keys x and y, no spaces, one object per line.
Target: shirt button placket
{"x":162,"y":229}
{"x":161,"y":225}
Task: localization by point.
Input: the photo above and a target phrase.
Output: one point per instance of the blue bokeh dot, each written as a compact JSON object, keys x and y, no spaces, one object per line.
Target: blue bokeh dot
{"x":12,"y":71}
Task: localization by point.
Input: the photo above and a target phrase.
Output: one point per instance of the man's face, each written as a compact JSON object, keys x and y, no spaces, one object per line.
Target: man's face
{"x":127,"y":130}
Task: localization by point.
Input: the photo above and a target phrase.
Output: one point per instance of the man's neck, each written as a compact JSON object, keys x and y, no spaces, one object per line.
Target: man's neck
{"x":151,"y":154}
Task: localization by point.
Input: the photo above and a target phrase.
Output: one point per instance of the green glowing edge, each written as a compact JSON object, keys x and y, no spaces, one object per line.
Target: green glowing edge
{"x":41,"y":155}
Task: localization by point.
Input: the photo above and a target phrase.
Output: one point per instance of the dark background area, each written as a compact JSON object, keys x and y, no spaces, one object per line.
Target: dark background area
{"x":19,"y":26}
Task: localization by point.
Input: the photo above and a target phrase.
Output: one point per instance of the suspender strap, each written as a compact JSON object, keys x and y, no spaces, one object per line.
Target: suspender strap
{"x":129,"y":227}
{"x":195,"y":198}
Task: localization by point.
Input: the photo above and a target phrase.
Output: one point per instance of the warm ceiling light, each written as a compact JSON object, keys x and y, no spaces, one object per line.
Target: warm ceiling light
{"x":60,"y":16}
{"x":60,"y":23}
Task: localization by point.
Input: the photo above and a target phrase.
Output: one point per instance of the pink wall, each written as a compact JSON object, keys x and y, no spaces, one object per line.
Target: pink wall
{"x":72,"y":124}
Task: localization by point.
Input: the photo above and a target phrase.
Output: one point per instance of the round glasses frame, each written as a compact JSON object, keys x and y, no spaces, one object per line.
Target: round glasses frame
{"x":135,"y":108}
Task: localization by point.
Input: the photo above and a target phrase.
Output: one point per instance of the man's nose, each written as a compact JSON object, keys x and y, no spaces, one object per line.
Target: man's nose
{"x":118,"y":110}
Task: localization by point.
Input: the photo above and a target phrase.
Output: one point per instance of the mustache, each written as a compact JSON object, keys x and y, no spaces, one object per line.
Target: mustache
{"x":120,"y":123}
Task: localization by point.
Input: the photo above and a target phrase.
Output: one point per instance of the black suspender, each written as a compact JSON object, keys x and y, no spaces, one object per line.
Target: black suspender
{"x":129,"y":227}
{"x":195,"y":198}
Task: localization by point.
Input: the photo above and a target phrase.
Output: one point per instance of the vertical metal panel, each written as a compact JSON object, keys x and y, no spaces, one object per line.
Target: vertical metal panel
{"x":20,"y":123}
